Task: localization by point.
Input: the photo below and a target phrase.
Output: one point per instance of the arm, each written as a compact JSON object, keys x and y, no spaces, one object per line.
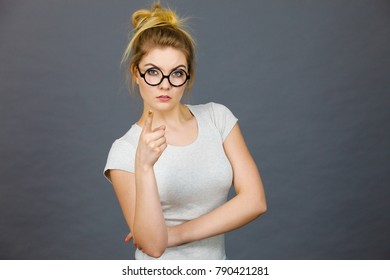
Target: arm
{"x":132,"y":200}
{"x":138,"y":194}
{"x":248,"y":204}
{"x":149,"y":229}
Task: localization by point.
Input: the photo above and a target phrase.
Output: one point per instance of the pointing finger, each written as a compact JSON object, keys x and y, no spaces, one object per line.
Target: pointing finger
{"x":148,"y":121}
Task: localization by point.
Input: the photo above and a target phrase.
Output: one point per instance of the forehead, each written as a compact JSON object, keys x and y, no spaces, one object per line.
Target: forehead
{"x":165,"y":58}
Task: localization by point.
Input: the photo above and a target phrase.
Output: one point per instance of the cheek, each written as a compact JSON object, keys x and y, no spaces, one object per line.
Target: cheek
{"x":145,"y":90}
{"x":180,"y":91}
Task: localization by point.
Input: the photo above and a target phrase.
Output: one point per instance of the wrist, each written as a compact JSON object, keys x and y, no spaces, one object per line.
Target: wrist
{"x":143,"y":167}
{"x":174,"y":236}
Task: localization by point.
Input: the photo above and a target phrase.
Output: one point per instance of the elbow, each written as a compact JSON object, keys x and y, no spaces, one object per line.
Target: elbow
{"x":264,"y":209}
{"x":260,"y":209}
{"x":155,"y":253}
{"x":153,"y":248}
{"x":255,"y":207}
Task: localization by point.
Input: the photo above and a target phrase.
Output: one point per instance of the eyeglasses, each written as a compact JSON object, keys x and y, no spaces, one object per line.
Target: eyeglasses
{"x":153,"y":77}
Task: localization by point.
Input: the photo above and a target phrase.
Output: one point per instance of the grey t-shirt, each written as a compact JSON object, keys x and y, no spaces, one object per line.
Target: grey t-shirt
{"x":192,"y":180}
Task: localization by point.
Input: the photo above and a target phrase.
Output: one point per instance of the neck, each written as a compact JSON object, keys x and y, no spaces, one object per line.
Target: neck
{"x":170,"y":118}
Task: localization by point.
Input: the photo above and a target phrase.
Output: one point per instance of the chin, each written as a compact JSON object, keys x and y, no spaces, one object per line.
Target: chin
{"x":165,"y":106}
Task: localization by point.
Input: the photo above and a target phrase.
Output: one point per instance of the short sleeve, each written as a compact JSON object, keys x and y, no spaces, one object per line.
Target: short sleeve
{"x":224,"y":119}
{"x":121,"y":156}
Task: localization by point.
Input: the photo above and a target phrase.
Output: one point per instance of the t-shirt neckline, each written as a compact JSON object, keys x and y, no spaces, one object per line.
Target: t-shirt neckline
{"x":190,"y":108}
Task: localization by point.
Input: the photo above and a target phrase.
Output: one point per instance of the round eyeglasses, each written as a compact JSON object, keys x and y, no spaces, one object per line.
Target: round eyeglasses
{"x":153,"y":77}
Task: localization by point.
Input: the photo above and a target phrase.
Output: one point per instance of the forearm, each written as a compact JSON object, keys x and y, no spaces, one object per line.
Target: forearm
{"x":150,"y":231}
{"x":235,"y":213}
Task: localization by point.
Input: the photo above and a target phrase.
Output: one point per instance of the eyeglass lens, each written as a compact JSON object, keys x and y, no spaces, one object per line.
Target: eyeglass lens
{"x":154,"y":76}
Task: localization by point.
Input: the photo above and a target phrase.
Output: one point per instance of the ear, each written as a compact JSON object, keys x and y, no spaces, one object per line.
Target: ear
{"x":134,"y":73}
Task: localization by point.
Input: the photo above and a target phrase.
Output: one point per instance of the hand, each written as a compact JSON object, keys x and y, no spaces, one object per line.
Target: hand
{"x":151,"y":143}
{"x":129,"y":237}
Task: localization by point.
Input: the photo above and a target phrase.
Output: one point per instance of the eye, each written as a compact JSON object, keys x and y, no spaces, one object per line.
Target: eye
{"x":152,"y":72}
{"x":178,"y":73}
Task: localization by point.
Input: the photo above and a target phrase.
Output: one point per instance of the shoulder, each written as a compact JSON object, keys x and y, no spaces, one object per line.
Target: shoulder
{"x":218,"y":115}
{"x":127,"y":142}
{"x":130,"y":138}
{"x":211,"y":109}
{"x":122,"y":152}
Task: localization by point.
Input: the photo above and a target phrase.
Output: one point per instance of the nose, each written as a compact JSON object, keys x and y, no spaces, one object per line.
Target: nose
{"x":165,"y":84}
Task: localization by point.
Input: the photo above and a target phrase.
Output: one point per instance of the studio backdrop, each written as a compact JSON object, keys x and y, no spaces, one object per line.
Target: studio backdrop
{"x":308,"y":81}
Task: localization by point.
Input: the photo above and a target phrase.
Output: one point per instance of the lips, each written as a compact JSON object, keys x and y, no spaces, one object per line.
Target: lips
{"x":163,"y":97}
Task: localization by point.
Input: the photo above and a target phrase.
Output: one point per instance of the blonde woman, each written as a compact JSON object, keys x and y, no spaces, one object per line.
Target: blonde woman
{"x":173,"y":168}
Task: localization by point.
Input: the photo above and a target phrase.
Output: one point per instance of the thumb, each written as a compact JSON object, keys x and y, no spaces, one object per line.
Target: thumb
{"x":161,"y":127}
{"x":148,"y":121}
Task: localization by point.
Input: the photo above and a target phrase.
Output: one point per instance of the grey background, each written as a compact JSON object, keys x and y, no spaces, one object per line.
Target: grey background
{"x":308,"y":81}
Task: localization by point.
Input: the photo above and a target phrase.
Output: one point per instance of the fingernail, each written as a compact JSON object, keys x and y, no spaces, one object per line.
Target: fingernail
{"x":126,"y":239}
{"x":150,"y":112}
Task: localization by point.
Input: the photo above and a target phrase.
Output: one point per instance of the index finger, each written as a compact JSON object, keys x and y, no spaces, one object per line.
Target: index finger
{"x":148,"y":121}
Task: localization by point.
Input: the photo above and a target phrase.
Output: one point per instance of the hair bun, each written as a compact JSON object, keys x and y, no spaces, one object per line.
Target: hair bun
{"x":157,"y":15}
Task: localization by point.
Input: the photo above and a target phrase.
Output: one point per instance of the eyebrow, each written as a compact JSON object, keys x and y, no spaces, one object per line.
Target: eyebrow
{"x":151,"y":64}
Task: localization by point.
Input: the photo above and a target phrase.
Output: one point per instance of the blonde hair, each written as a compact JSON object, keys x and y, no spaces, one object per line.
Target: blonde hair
{"x":158,"y":27}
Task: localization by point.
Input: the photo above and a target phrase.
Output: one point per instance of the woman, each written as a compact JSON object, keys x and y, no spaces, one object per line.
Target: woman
{"x":173,"y":169}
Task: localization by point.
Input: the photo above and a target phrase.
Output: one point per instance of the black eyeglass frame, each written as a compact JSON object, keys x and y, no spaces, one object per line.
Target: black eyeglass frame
{"x":163,"y":77}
